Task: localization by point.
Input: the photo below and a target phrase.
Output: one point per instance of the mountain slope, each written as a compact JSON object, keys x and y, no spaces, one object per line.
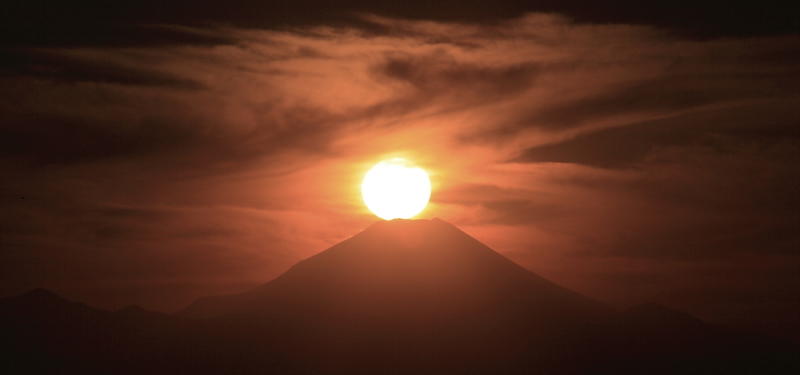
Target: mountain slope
{"x":425,"y":271}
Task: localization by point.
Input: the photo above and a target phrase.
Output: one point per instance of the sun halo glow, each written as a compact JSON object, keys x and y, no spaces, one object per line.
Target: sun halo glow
{"x":396,"y":189}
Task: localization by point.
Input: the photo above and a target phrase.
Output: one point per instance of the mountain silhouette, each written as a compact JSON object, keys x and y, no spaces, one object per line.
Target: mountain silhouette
{"x":412,"y":271}
{"x":401,"y":297}
{"x":402,"y":290}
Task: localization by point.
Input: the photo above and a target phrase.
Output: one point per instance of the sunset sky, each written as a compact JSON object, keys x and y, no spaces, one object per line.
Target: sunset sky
{"x":152,"y":155}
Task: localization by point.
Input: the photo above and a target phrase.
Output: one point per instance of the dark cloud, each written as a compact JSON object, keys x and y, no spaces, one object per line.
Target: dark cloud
{"x":39,"y":140}
{"x":438,"y":82}
{"x":436,"y":74}
{"x":123,"y":23}
{"x":687,"y":78}
{"x":504,"y":206}
{"x":723,"y":130}
{"x":89,"y":105}
{"x":94,"y":22}
{"x":719,"y":99}
{"x":70,"y":69}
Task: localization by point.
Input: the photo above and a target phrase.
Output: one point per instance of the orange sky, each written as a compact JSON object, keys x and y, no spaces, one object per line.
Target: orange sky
{"x":620,"y":161}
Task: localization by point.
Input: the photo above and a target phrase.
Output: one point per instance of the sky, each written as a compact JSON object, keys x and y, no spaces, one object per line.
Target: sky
{"x":152,"y":154}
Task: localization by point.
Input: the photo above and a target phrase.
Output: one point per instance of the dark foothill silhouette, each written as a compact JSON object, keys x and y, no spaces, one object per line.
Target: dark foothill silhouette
{"x":401,"y":297}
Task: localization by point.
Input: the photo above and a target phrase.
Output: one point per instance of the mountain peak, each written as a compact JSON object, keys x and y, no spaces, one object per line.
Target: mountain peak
{"x":409,"y":233}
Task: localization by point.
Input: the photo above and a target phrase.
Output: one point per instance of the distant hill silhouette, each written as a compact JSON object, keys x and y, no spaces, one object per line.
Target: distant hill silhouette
{"x":401,"y":297}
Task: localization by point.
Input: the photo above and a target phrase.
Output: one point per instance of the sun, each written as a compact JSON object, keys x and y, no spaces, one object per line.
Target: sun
{"x":396,"y":189}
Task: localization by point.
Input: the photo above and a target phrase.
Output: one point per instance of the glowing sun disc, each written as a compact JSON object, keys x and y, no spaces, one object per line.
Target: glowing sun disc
{"x":396,"y":189}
